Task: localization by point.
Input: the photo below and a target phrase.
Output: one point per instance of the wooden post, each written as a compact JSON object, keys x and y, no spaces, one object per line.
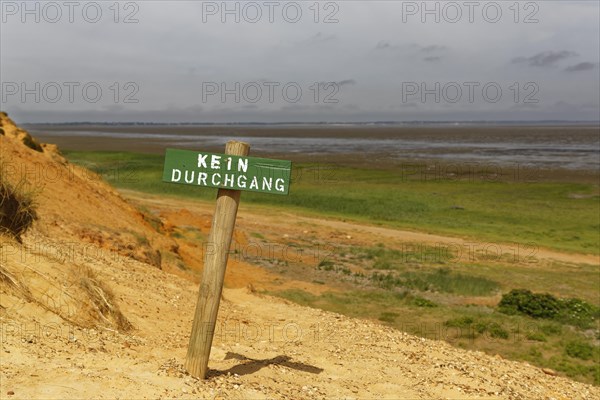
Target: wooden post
{"x":215,"y":262}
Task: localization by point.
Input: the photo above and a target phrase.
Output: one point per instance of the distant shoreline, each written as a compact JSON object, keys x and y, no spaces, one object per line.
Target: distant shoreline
{"x":412,"y":124}
{"x":539,"y":147}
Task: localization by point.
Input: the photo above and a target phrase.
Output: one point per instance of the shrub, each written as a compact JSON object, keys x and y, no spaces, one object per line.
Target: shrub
{"x":496,"y":331}
{"x":523,"y":301}
{"x":578,"y":349}
{"x":421,"y":302}
{"x":577,"y":312}
{"x":461,"y":322}
{"x":17,"y":210}
{"x":570,"y":311}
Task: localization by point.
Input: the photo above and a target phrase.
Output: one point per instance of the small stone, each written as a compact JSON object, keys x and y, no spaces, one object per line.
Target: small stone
{"x":10,"y":393}
{"x":549,"y":371}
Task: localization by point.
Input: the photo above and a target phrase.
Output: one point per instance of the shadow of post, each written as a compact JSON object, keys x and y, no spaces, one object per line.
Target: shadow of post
{"x":251,"y":365}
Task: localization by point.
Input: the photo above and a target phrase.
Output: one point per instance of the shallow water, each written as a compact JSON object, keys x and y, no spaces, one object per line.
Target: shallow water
{"x":548,"y":151}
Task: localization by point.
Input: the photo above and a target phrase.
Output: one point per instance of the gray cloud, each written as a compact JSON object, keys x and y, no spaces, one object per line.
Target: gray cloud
{"x":544,"y":59}
{"x":584,"y":66}
{"x":382,"y":45}
{"x":170,"y":55}
{"x":432,"y":48}
{"x":319,"y":38}
{"x":343,"y":82}
{"x":346,"y":82}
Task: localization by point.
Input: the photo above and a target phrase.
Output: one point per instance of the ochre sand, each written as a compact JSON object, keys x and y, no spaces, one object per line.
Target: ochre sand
{"x":269,"y":349}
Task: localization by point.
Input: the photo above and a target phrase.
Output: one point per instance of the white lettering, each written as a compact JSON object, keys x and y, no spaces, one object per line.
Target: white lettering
{"x":213,"y":179}
{"x":215,"y":161}
{"x":228,"y":180}
{"x":191,"y":178}
{"x":202,"y":160}
{"x":279,"y":185}
{"x":241,"y":181}
{"x":267,"y":182}
{"x":202,"y":178}
{"x":243,"y":165}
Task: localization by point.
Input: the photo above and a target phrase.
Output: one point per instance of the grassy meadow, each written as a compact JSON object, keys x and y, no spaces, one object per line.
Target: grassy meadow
{"x":559,"y":216}
{"x":420,"y":289}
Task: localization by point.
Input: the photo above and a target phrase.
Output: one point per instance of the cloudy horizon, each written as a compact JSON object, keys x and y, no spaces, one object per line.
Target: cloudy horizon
{"x":344,"y":61}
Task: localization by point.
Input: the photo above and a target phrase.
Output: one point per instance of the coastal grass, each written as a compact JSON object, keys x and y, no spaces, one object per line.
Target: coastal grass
{"x":428,"y":290}
{"x":547,"y":344}
{"x":453,"y":269}
{"x":561,"y":216}
{"x":479,"y":304}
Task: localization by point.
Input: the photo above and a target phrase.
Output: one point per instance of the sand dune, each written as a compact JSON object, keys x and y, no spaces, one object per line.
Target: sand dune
{"x":90,"y":307}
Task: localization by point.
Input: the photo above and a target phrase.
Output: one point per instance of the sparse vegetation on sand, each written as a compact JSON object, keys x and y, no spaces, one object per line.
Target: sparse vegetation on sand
{"x":101,"y":299}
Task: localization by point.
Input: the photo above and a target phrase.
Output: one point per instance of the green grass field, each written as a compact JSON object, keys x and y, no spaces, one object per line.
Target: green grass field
{"x":559,"y":216}
{"x":417,"y":288}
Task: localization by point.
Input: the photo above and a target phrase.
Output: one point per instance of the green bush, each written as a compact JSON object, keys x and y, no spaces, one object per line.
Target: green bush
{"x":523,"y":301}
{"x":578,"y":349}
{"x":570,"y":311}
{"x":578,"y":312}
{"x":496,"y":331}
{"x":421,"y":302}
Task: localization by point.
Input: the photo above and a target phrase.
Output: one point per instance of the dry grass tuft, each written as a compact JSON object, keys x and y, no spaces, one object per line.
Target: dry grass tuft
{"x":15,"y":284}
{"x":102,"y":299}
{"x":17,"y":207}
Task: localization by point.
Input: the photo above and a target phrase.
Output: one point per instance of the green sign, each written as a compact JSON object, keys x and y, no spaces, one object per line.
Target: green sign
{"x":227,"y":172}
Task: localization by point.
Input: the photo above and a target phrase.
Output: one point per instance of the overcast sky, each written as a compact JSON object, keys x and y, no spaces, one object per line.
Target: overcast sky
{"x":186,"y":61}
